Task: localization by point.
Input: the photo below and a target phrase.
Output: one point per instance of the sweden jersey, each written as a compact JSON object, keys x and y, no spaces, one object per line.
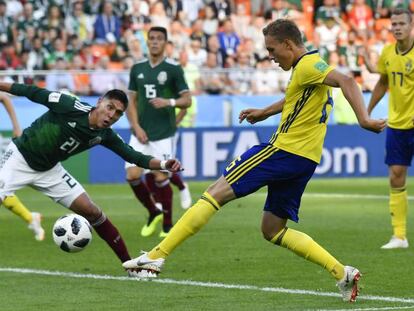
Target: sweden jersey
{"x":305,"y":113}
{"x":399,"y":70}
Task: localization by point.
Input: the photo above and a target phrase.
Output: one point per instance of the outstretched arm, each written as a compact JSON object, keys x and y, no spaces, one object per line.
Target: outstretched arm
{"x":379,"y":91}
{"x":253,"y":115}
{"x":354,"y":97}
{"x":5,"y":99}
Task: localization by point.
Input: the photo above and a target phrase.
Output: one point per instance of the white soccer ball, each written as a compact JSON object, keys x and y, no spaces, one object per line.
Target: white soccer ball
{"x":72,"y":233}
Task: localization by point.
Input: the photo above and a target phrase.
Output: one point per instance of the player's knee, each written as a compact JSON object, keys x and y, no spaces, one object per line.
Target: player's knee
{"x":133,"y":174}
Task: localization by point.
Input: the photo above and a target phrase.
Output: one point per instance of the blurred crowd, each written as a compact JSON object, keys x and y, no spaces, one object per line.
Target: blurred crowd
{"x":220,"y":40}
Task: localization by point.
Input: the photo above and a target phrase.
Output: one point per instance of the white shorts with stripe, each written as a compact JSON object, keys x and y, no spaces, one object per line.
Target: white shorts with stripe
{"x":56,"y":183}
{"x":162,"y":149}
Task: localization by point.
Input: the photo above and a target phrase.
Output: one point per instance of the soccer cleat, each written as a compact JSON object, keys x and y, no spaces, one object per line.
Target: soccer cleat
{"x":149,"y":228}
{"x":144,"y":266}
{"x":395,"y":243}
{"x":185,"y":197}
{"x":348,"y":286}
{"x":36,"y":226}
{"x":164,"y":232}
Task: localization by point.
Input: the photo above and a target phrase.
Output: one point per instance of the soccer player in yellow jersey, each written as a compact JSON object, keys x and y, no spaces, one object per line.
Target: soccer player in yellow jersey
{"x":396,"y":68}
{"x":284,"y":165}
{"x":12,"y":202}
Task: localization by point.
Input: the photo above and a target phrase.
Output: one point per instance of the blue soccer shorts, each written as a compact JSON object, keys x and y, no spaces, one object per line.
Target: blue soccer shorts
{"x":285,"y":175}
{"x":399,"y":147}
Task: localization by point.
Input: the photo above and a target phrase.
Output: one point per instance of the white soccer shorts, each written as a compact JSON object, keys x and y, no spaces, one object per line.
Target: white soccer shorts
{"x":56,"y":183}
{"x":162,"y":149}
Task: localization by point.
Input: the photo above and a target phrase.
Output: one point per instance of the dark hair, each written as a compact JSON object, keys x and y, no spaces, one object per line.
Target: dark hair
{"x":282,"y":29}
{"x":160,"y":29}
{"x":118,"y":95}
{"x":400,"y":11}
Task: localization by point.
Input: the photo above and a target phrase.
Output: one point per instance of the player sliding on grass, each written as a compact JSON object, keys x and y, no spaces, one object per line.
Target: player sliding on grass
{"x":68,"y":128}
{"x":284,"y":164}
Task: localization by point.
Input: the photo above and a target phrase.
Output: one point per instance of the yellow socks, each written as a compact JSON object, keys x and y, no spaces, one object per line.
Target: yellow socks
{"x":398,"y":211}
{"x":190,"y":223}
{"x":304,"y":246}
{"x":13,"y":204}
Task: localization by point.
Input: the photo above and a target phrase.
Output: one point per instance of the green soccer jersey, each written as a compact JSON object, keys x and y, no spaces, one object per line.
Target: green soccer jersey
{"x":64,"y":131}
{"x":165,"y":80}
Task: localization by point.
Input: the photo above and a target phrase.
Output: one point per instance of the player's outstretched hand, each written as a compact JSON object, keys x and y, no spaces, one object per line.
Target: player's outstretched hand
{"x":141,"y":135}
{"x":251,"y":115}
{"x":159,"y":102}
{"x":173,"y":165}
{"x":374,"y":125}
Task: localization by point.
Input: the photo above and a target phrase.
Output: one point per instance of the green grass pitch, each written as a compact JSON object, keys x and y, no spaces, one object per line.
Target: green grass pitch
{"x":229,"y":263}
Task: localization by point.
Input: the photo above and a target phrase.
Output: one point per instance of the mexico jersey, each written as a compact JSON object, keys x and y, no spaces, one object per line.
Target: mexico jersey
{"x":305,"y":113}
{"x":399,"y":68}
{"x":165,"y":80}
{"x":64,"y":131}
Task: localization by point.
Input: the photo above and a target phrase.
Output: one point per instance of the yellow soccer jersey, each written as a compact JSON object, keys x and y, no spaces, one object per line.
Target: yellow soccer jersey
{"x":305,"y":113}
{"x":399,"y":70}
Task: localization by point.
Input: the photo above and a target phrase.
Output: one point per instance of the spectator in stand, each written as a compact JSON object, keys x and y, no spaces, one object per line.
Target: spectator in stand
{"x":92,"y":7}
{"x":213,"y":46}
{"x":254,"y":32}
{"x":326,"y":36}
{"x":212,"y":82}
{"x":210,"y":23}
{"x":264,"y":78}
{"x":228,"y":39}
{"x":197,"y":32}
{"x":281,"y":9}
{"x":79,"y":23}
{"x":26,"y":44}
{"x":339,"y":63}
{"x":350,"y":50}
{"x":171,"y":51}
{"x":222,"y":9}
{"x":37,"y":55}
{"x":191,"y":9}
{"x":54,"y":19}
{"x":370,"y":77}
{"x":81,"y":81}
{"x":9,"y":58}
{"x":159,"y":16}
{"x":25,"y":20}
{"x":59,"y":51}
{"x":6,"y":24}
{"x":196,"y":54}
{"x":123,"y":78}
{"x":178,"y":35}
{"x":102,"y":79}
{"x":59,"y":81}
{"x":386,"y":6}
{"x":241,"y":79}
{"x":361,"y":19}
{"x":14,"y":8}
{"x":242,"y":19}
{"x":86,"y":53}
{"x":173,"y":8}
{"x":135,"y":49}
{"x":383,"y":40}
{"x":328,"y":10}
{"x":107,"y":27}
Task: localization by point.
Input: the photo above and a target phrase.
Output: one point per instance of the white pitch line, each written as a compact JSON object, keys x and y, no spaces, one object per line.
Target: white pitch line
{"x":203,"y":284}
{"x":316,"y":195}
{"x":370,"y":309}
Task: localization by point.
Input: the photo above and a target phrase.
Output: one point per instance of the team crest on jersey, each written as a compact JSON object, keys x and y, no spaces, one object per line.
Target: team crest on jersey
{"x":95,"y":141}
{"x":162,"y":77}
{"x":409,"y":66}
{"x":141,"y":76}
{"x":321,"y":66}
